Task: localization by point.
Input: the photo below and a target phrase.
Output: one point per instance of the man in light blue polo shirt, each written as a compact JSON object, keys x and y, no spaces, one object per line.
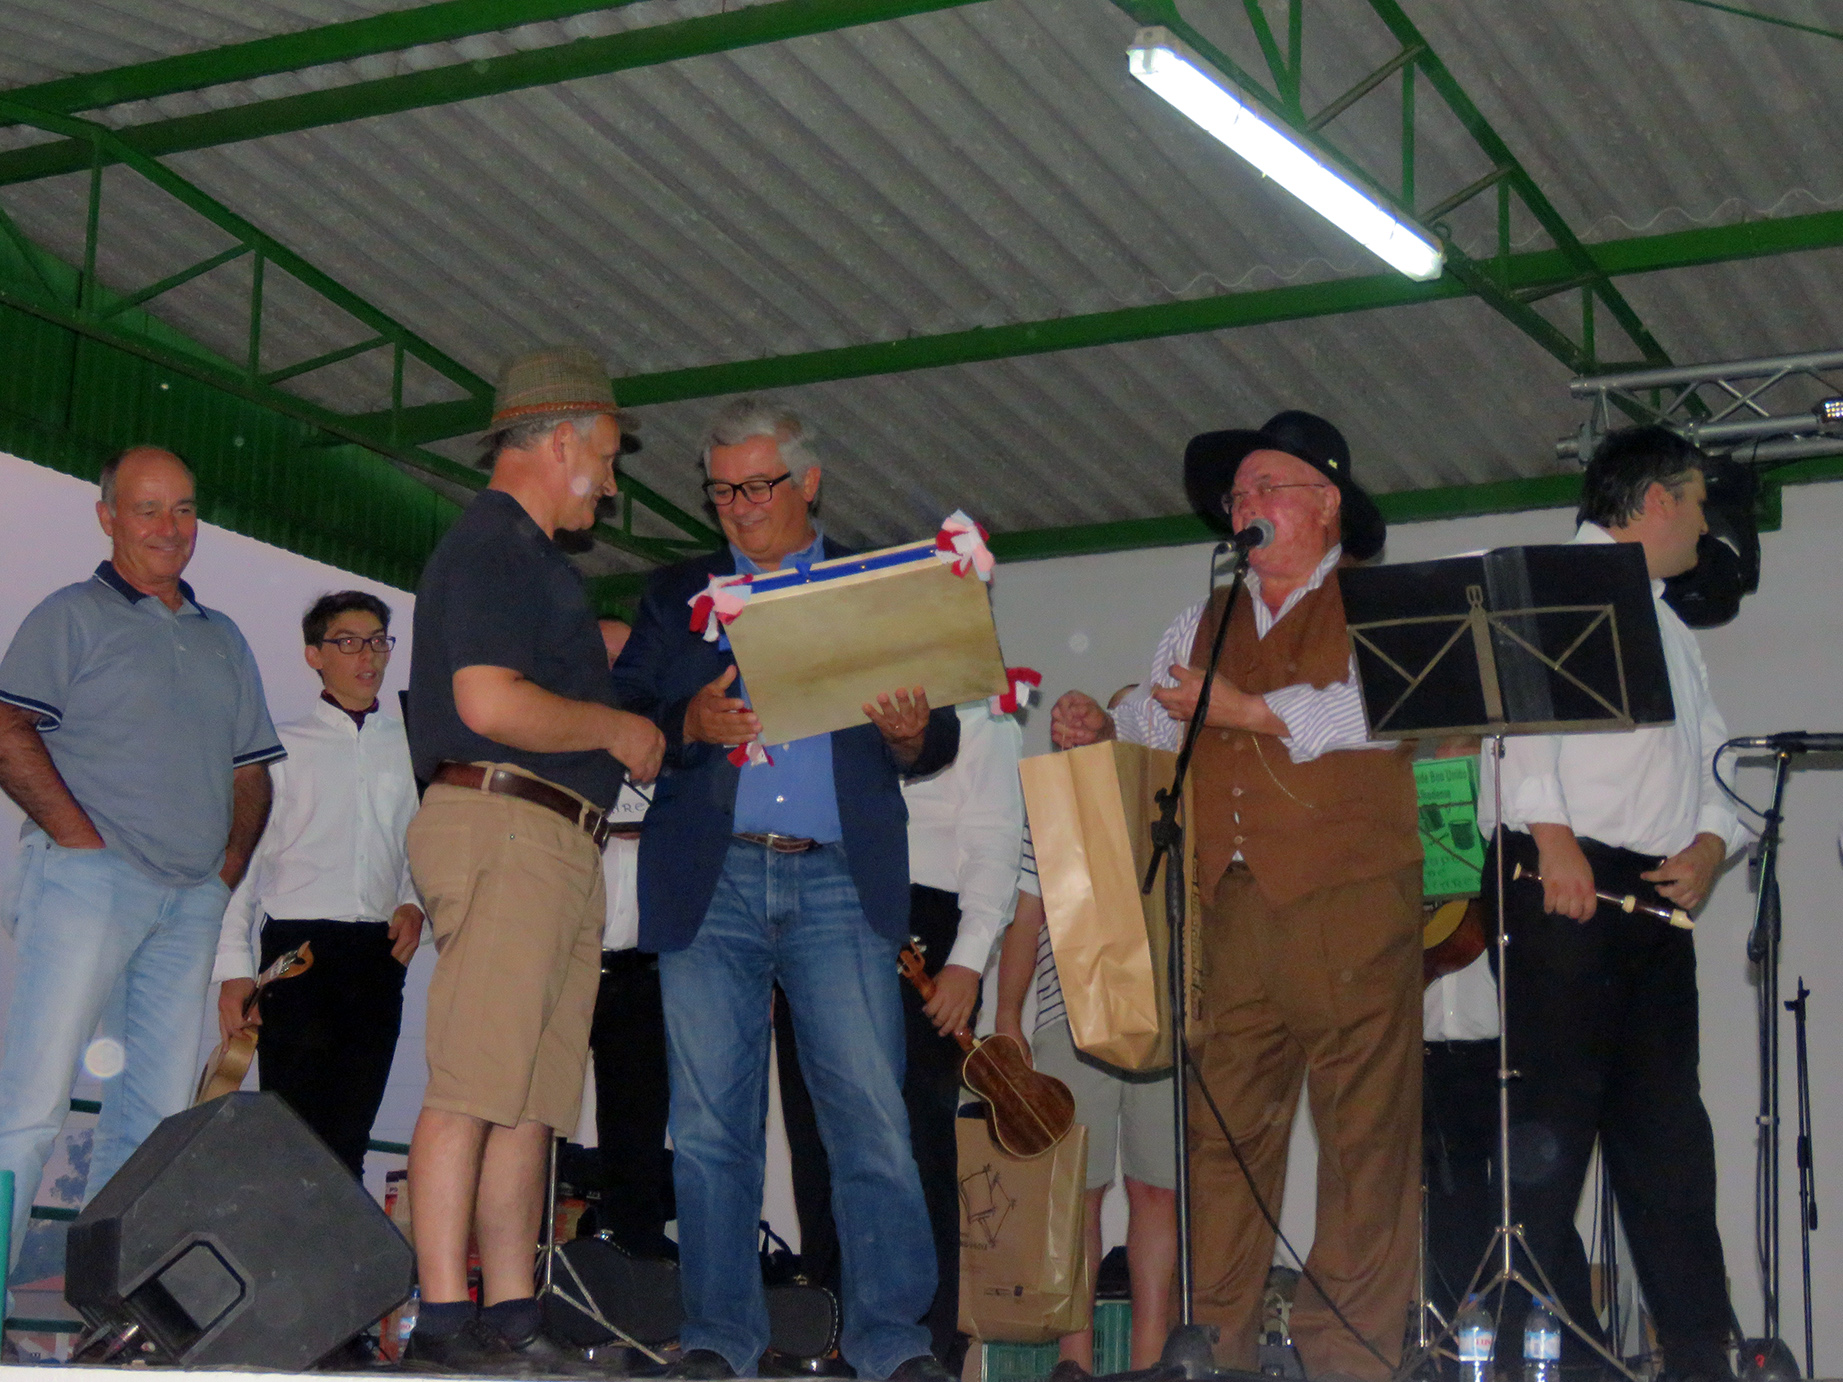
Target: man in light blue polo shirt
{"x":135,"y":737}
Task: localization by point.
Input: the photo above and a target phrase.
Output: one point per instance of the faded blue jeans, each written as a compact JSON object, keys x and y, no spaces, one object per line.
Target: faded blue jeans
{"x":97,"y":939}
{"x":795,"y":919}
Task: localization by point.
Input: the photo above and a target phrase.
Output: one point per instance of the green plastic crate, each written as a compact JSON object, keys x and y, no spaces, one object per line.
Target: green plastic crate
{"x":1113,"y":1341}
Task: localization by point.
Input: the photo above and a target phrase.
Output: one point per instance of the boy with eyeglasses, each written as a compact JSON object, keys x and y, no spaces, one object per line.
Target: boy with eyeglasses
{"x":330,"y":870}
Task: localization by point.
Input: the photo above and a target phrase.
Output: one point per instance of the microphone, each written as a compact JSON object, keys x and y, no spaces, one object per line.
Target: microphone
{"x":1255,"y":536}
{"x":1792,"y":741}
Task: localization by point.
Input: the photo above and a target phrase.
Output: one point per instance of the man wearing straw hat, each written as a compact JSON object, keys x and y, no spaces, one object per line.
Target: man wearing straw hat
{"x":512,"y":723}
{"x":1309,"y":864}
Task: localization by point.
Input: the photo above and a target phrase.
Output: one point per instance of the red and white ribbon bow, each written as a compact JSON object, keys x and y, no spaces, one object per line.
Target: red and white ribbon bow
{"x":1024,"y":683}
{"x":750,"y":754}
{"x":961,"y":544}
{"x":725,"y":597}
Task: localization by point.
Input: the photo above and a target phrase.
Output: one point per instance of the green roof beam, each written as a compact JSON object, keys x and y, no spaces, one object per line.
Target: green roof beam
{"x":1533,"y":272}
{"x":264,"y":57}
{"x":466,"y":81}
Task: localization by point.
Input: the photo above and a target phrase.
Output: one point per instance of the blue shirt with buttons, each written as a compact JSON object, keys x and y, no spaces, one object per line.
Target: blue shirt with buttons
{"x":795,"y":794}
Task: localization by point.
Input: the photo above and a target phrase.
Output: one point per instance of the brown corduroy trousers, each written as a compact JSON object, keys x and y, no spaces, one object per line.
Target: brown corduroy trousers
{"x":1327,"y":988}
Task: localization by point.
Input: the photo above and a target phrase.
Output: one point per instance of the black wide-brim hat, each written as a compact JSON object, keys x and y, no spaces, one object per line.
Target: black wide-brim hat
{"x":1212,"y":458}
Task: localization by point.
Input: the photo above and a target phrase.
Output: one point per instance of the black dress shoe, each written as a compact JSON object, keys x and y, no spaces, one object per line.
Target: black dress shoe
{"x":474,"y":1348}
{"x":543,"y":1356}
{"x":701,"y":1365}
{"x":923,"y":1367}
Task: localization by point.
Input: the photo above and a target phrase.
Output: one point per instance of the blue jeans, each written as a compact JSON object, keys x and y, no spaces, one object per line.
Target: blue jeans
{"x":97,"y":939}
{"x":795,"y":919}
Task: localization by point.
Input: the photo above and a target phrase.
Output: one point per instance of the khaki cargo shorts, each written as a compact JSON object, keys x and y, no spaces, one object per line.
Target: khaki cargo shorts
{"x":515,"y":898}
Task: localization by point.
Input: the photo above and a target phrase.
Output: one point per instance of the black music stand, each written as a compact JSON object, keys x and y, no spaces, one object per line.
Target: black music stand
{"x":1519,"y":640}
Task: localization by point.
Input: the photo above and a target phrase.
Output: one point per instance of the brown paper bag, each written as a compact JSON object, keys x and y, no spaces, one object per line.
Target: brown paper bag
{"x":1024,"y":1270}
{"x":1090,"y":812}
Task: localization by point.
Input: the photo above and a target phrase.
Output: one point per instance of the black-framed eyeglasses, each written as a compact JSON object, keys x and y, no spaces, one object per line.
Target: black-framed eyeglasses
{"x":350,"y":643}
{"x":1262,"y":491}
{"x":722,"y":493}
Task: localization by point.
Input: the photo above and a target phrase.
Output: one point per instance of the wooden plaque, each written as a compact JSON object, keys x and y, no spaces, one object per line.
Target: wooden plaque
{"x":813,"y":651}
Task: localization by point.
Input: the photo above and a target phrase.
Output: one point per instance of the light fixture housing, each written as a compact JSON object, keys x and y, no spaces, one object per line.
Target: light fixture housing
{"x":1829,"y":413}
{"x":1170,"y":68}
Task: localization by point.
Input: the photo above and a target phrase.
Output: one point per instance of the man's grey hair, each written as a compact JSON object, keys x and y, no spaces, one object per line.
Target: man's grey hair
{"x":112,"y":467}
{"x":528,"y":432}
{"x":749,"y":417}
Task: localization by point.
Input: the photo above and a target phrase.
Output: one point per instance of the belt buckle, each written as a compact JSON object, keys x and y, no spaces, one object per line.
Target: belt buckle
{"x":780,"y":843}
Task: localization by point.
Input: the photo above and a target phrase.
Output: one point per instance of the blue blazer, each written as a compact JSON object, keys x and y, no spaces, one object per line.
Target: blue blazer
{"x":688,"y":828}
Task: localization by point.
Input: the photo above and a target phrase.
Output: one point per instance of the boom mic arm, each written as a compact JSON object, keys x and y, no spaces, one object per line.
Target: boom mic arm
{"x":1791,"y":741}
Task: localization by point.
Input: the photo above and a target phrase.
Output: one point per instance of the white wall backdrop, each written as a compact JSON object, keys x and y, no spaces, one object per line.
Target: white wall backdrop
{"x":1092,"y":622}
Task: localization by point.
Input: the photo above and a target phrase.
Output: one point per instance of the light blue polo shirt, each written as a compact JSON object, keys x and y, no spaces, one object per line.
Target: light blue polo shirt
{"x":145,"y":711}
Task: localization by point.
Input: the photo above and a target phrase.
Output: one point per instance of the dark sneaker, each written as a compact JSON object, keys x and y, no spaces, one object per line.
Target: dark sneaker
{"x":543,"y":1356}
{"x":701,"y":1365}
{"x":474,"y":1348}
{"x":923,"y":1367}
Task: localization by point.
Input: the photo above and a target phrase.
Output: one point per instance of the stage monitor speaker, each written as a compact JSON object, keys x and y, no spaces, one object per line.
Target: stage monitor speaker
{"x":234,"y":1236}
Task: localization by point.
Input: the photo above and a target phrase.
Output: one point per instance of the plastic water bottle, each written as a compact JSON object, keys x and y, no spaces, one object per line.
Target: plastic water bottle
{"x":406,"y":1319}
{"x":1541,"y":1343}
{"x":1475,"y":1335}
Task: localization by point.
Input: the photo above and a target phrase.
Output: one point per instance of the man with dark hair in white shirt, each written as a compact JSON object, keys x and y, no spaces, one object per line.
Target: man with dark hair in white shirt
{"x":1602,"y":1005}
{"x":330,"y":870}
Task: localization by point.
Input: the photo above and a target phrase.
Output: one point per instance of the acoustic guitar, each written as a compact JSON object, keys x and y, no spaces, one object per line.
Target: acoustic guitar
{"x":1453,"y":937}
{"x":230,"y":1060}
{"x":1029,"y":1112}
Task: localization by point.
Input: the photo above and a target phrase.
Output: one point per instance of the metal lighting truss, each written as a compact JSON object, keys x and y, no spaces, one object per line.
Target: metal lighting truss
{"x":1727,"y":409}
{"x":99,"y":315}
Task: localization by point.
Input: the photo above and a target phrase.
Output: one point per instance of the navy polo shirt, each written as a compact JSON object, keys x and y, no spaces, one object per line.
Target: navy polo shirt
{"x":145,"y":711}
{"x":498,"y":593}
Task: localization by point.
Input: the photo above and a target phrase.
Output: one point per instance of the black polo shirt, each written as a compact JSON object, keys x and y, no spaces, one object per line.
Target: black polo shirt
{"x":498,"y":593}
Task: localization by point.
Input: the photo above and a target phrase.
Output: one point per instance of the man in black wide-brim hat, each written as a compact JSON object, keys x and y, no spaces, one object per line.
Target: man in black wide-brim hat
{"x":1309,"y":864}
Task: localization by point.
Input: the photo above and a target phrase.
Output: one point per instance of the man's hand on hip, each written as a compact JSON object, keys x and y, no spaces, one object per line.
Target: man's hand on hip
{"x":1686,"y":877}
{"x":716,"y":718}
{"x":638,"y":744}
{"x":902,"y":717}
{"x":956,"y":989}
{"x":405,"y":932}
{"x":1077,"y":719}
{"x":231,"y":997}
{"x":1567,"y":877}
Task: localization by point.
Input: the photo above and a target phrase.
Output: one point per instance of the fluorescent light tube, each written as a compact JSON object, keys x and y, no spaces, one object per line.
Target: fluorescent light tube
{"x":1172,"y":70}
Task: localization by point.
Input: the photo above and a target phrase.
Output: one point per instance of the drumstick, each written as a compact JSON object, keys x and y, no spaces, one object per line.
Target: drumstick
{"x":1676,"y":916}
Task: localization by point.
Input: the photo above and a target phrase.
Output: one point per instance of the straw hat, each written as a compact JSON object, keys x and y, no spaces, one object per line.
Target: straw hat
{"x":557,"y":381}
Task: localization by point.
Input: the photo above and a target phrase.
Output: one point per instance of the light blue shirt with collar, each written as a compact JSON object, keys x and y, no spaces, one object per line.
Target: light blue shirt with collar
{"x":795,"y":794}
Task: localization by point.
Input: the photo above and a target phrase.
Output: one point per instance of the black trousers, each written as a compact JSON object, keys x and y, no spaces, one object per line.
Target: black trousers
{"x":632,"y":1099}
{"x":1603,"y":1027}
{"x":1459,"y":1151}
{"x":328,"y":1035}
{"x":931,"y":1092}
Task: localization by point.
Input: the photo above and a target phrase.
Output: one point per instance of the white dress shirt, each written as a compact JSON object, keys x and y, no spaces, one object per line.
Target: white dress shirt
{"x":1648,"y":790}
{"x":1317,"y":719}
{"x":966,"y":829}
{"x":333,"y":849}
{"x":621,"y":872}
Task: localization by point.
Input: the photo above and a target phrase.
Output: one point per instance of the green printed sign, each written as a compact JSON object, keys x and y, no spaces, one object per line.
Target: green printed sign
{"x":1447,"y":789}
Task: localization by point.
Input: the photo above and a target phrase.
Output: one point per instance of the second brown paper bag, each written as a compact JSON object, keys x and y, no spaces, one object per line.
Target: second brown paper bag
{"x":1090,"y":810}
{"x":1025,"y":1277}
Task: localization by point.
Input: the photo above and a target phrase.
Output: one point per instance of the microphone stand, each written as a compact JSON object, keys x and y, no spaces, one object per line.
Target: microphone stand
{"x":1763,"y":950}
{"x":1188,"y":1345}
{"x":1807,"y":1168}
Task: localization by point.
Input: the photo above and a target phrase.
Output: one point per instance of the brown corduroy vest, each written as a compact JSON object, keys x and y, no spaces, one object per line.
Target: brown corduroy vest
{"x":1347,"y":815}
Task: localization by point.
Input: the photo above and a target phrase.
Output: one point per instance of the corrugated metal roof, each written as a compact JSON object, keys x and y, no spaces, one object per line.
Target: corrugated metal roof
{"x":978,"y":166}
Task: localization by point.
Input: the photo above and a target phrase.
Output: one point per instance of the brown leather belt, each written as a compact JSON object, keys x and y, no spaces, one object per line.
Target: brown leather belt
{"x":780,"y":844}
{"x":591,"y":820}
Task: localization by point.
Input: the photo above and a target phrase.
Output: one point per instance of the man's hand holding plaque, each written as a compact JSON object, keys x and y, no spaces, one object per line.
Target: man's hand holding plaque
{"x":715,"y":718}
{"x":902,"y":717}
